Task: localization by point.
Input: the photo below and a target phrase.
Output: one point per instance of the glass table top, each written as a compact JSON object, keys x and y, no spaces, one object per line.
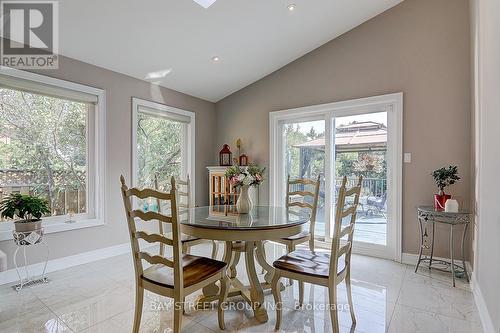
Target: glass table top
{"x":432,"y":210}
{"x":260,"y":217}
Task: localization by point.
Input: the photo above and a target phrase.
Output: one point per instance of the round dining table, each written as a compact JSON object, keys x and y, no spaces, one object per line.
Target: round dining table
{"x":243,"y":233}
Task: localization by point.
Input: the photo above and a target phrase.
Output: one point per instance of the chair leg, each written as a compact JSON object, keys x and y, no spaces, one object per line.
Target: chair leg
{"x":349,"y":297}
{"x":139,"y":299}
{"x":224,"y":290}
{"x":264,"y":254}
{"x":290,"y":248}
{"x":215,"y":250}
{"x":275,"y":285}
{"x":301,"y":293}
{"x":178,"y":309}
{"x":332,"y":293}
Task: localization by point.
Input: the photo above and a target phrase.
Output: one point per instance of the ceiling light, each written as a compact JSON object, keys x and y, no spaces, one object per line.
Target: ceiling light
{"x":158,"y":74}
{"x":291,"y":7}
{"x":215,"y":58}
{"x":205,"y":3}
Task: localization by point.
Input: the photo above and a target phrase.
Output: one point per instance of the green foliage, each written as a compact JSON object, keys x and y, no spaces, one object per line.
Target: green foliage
{"x":344,"y":164}
{"x":445,"y":177}
{"x":254,"y":170}
{"x":25,"y":207}
{"x":44,"y":138}
{"x":159,"y":149}
{"x":315,"y":158}
{"x":233,"y":171}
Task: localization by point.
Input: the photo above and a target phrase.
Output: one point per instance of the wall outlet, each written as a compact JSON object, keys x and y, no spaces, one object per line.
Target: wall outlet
{"x":407,"y":158}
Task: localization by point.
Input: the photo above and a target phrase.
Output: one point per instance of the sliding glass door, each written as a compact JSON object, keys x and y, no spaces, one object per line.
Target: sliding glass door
{"x":361,"y":150}
{"x":304,"y":157}
{"x":352,"y":139}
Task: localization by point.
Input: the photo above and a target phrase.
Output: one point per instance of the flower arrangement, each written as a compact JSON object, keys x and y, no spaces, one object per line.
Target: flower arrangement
{"x":251,"y":175}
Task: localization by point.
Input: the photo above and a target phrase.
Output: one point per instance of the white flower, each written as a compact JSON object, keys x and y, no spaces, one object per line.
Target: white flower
{"x":248,"y":180}
{"x":241,"y":177}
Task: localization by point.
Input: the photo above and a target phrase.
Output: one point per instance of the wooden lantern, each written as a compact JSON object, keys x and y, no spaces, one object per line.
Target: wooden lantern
{"x":225,"y":156}
{"x":243,"y":160}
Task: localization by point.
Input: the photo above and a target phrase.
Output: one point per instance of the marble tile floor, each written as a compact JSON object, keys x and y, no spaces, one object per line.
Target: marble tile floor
{"x":99,"y":298}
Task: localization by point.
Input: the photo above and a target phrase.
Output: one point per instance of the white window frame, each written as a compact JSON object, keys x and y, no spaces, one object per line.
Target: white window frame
{"x":188,"y":150}
{"x":390,"y":103}
{"x":96,"y":143}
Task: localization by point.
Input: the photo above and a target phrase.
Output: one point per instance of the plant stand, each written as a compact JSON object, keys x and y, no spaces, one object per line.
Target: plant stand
{"x":23,"y":240}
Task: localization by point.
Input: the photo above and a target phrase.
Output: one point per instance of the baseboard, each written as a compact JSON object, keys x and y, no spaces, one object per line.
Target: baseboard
{"x":484,"y":314}
{"x":53,"y":265}
{"x":411,"y":259}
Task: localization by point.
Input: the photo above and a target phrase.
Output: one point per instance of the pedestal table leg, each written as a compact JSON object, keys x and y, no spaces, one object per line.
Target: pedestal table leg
{"x":256,"y":291}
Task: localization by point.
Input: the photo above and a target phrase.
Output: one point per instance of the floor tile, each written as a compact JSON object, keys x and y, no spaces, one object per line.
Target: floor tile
{"x":30,"y":316}
{"x":439,"y":298}
{"x":408,"y":319}
{"x":99,"y":297}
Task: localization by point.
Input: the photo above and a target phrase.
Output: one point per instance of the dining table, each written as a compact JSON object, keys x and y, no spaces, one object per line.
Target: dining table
{"x":243,"y":234}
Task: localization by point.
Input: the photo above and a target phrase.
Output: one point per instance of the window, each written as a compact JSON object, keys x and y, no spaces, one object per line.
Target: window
{"x":50,"y":145}
{"x":163,"y":146}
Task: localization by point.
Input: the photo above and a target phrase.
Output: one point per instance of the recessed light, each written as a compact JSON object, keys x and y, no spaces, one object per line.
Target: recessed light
{"x":215,"y":58}
{"x":291,"y":7}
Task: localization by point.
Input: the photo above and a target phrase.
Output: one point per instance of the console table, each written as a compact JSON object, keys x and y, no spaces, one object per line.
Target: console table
{"x":426,"y":215}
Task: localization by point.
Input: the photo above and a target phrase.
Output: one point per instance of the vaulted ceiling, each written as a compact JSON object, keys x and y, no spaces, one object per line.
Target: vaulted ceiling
{"x":205,"y":52}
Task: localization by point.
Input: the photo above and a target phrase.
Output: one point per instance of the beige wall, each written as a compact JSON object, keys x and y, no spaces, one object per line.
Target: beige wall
{"x":420,"y":47}
{"x":487,"y":118}
{"x":119,"y":92}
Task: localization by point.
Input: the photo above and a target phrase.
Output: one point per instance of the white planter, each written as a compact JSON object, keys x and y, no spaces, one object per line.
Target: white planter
{"x":28,"y":226}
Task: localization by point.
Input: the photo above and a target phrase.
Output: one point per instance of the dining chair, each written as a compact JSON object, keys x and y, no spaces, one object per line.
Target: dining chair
{"x":174,"y":277}
{"x":324,"y":269}
{"x":184,"y":206}
{"x":297,"y":195}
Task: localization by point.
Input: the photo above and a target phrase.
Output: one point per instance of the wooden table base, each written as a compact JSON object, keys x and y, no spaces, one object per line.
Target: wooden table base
{"x":254,"y":293}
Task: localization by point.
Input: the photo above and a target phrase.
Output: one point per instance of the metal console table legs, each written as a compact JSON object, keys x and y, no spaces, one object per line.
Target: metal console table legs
{"x":426,"y":215}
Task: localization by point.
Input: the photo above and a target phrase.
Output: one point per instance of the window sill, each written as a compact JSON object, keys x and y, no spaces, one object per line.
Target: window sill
{"x":51,"y":228}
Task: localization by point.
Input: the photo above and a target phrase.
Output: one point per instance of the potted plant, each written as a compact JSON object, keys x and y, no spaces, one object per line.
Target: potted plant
{"x":245,"y":177}
{"x":28,"y":208}
{"x":444,"y":177}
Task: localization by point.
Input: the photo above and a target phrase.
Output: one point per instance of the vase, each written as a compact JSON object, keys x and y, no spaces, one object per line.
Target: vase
{"x":244,"y":203}
{"x":451,"y":206}
{"x":440,"y":200}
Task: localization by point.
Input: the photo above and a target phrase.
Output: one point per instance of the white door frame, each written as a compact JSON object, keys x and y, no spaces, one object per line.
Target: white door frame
{"x":188,"y":149}
{"x":393,"y":105}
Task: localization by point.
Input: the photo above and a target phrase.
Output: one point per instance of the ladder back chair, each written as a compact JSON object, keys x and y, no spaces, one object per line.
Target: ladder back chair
{"x":174,"y":277}
{"x":325,"y":269}
{"x":184,"y":192}
{"x":298,"y":198}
